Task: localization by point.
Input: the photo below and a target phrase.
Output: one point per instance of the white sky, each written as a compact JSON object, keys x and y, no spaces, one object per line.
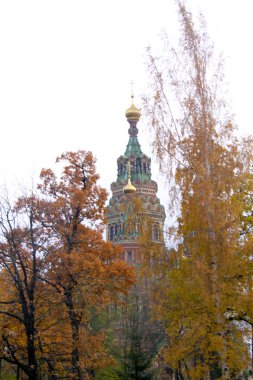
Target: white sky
{"x":66,"y":67}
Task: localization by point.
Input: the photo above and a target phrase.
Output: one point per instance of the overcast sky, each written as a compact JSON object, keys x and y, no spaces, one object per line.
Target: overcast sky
{"x":66,"y":67}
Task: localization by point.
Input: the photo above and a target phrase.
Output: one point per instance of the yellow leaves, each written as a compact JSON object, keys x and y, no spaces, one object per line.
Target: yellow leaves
{"x":209,"y":283}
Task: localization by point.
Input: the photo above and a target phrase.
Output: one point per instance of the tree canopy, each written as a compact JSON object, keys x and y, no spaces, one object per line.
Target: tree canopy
{"x":205,"y":289}
{"x":57,"y":273}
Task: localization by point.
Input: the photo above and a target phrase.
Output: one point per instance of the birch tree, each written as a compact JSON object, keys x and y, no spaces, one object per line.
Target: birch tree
{"x":194,"y":140}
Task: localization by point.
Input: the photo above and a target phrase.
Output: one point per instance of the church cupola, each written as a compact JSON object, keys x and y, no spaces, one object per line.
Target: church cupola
{"x":129,"y":188}
{"x":139,"y":162}
{"x":133,"y":114}
{"x":133,"y":178}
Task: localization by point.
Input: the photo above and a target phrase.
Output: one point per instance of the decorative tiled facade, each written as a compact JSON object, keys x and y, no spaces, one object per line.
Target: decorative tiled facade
{"x":123,"y":222}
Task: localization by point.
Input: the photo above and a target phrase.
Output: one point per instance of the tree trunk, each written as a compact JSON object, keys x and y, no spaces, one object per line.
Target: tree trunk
{"x":18,"y":373}
{"x":75,"y":324}
{"x":252,"y":347}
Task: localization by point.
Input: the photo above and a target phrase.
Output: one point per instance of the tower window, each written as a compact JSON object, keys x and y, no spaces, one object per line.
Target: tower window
{"x":129,"y":256}
{"x":155,"y":232}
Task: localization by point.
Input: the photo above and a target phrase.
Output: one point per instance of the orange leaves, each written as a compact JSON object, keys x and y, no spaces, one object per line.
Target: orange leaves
{"x":85,"y":270}
{"x":75,"y":193}
{"x":57,"y":273}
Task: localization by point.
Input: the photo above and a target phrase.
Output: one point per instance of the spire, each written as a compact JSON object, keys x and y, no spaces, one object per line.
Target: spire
{"x":129,"y":188}
{"x":140,"y":163}
{"x":133,"y":115}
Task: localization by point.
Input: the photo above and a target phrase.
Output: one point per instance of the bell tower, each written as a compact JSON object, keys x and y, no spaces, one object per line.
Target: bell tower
{"x":133,"y":187}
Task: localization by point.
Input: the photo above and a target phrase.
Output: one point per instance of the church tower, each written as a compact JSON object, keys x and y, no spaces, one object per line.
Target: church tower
{"x":133,"y":185}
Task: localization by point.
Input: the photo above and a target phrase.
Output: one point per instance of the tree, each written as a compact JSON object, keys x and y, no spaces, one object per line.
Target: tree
{"x":202,"y":290}
{"x":137,"y":338}
{"x":83,"y":269}
{"x":22,"y":248}
{"x":57,"y":274}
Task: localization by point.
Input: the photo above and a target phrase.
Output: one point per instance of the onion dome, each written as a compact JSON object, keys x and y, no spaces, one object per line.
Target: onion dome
{"x":129,"y":188}
{"x":133,"y":113}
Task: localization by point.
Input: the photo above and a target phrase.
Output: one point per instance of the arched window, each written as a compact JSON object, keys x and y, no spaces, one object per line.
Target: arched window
{"x":111,"y":233}
{"x":155,"y":232}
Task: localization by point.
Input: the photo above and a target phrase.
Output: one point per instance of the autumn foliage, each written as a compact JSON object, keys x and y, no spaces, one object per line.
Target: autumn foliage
{"x":204,"y":288}
{"x":58,"y":274}
{"x":191,"y":310}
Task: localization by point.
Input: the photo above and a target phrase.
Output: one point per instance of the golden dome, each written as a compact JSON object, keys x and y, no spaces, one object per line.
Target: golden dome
{"x":129,"y":188}
{"x":133,"y":113}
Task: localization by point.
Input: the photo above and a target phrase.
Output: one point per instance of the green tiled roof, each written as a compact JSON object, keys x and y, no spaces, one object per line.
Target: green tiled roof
{"x":133,"y":147}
